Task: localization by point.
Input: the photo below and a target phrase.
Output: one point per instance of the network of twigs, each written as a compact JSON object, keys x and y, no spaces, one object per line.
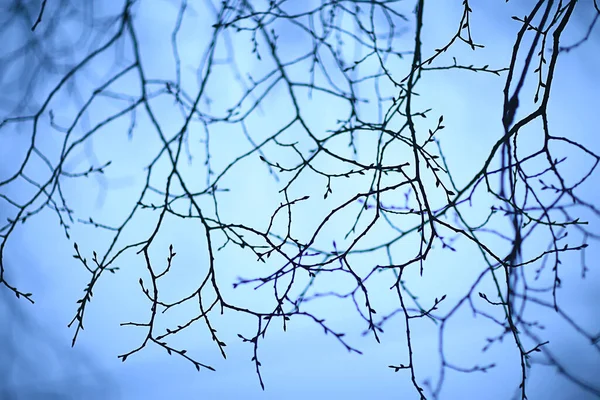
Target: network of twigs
{"x":530,"y":197}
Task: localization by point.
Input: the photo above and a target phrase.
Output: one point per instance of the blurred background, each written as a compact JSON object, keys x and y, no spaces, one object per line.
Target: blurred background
{"x":173,"y":41}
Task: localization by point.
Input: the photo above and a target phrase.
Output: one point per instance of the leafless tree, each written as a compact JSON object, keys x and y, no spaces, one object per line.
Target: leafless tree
{"x":295,"y":137}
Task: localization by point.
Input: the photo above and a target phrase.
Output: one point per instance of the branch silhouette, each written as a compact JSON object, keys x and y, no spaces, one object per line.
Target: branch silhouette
{"x":360,"y":196}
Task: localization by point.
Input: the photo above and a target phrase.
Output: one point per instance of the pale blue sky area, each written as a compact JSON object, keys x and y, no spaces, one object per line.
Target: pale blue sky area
{"x":36,"y":358}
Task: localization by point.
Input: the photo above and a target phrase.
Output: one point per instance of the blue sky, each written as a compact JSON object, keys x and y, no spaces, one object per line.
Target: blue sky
{"x":301,"y":362}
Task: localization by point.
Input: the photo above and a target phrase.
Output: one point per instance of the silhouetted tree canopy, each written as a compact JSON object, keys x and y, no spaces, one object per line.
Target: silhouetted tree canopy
{"x":290,"y":159}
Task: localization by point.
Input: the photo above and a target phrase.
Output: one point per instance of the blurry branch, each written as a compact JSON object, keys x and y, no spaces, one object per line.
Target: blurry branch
{"x":406,"y":206}
{"x":29,"y":345}
{"x":39,"y":18}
